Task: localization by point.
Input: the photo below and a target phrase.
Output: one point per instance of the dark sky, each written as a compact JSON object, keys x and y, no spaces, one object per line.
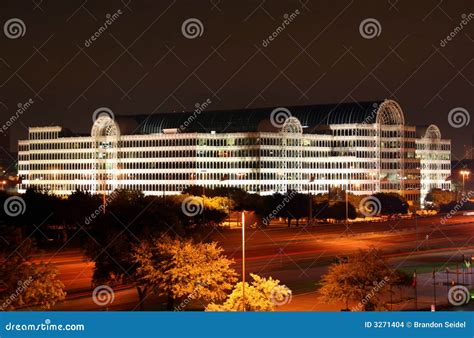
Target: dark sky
{"x":143,"y":63}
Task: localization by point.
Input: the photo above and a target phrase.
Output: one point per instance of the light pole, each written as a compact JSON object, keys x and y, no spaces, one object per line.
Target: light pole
{"x":310,"y":199}
{"x":464,"y":174}
{"x":347,"y":204}
{"x":243,"y":261}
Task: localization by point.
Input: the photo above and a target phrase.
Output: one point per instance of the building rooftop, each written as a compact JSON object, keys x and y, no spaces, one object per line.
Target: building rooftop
{"x":311,"y":117}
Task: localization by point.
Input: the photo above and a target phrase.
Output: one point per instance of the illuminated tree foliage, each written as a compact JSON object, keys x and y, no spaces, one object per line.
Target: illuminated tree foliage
{"x":438,"y":197}
{"x":23,"y":283}
{"x":353,"y":280}
{"x":178,"y":268}
{"x":263,"y":294}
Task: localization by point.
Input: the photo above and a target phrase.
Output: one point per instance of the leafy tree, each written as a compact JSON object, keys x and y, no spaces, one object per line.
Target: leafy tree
{"x":335,"y":210}
{"x":264,"y":294}
{"x":355,"y":278}
{"x":297,"y":208}
{"x":24,"y":283}
{"x":129,"y":218}
{"x":202,"y":211}
{"x":36,"y":210}
{"x":439,"y":197}
{"x":178,"y":268}
{"x":457,"y":206}
{"x":239,"y":196}
{"x":392,"y":203}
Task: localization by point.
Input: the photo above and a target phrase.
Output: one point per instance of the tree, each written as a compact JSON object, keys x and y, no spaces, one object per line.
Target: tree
{"x":335,"y":210}
{"x":439,"y":197}
{"x":34,"y":213}
{"x":298,"y":207}
{"x":264,"y":294}
{"x":239,"y":197}
{"x":202,"y":211}
{"x":178,"y":268}
{"x":391,"y":203}
{"x":130,"y":218}
{"x":361,"y":279}
{"x":24,"y":283}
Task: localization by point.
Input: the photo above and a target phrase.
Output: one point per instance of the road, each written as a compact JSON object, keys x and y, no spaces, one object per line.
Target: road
{"x":298,"y":256}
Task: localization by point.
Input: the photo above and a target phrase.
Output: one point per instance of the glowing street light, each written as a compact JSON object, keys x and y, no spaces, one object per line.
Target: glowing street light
{"x":464,"y":174}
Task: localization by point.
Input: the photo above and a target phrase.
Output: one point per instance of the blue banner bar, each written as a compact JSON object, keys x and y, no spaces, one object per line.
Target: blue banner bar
{"x":250,"y":324}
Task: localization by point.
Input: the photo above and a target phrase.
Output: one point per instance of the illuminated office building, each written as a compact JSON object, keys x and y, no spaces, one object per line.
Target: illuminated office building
{"x":364,"y":147}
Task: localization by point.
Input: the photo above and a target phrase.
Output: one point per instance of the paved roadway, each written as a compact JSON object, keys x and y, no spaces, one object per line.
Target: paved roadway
{"x":298,"y":256}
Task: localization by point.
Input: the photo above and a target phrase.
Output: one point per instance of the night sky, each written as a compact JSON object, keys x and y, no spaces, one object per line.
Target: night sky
{"x":142,"y":63}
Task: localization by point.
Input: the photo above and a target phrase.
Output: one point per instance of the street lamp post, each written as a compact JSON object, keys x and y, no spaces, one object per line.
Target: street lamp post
{"x":310,"y":199}
{"x":464,"y":174}
{"x":347,"y":204}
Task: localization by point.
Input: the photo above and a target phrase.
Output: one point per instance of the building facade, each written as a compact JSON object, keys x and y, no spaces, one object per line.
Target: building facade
{"x":434,"y":154}
{"x":362,"y":147}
